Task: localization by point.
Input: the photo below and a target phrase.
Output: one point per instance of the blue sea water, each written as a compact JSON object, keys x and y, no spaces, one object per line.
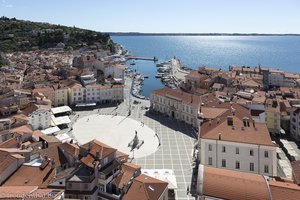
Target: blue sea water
{"x":279,"y":52}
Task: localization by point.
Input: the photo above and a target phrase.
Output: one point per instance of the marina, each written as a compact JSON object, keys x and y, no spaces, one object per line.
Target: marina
{"x":171,"y":72}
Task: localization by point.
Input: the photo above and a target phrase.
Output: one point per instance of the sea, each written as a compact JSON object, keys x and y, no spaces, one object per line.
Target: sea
{"x":278,"y":52}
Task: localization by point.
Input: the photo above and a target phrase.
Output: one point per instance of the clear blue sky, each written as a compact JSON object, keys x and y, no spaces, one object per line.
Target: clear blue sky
{"x":177,"y":16}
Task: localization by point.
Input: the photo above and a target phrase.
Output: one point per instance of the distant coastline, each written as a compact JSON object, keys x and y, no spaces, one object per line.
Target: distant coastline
{"x":196,"y":34}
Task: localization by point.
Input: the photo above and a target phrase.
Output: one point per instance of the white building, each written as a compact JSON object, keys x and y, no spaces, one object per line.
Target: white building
{"x":116,"y":72}
{"x":96,"y":93}
{"x":39,"y":116}
{"x":176,"y":104}
{"x":295,"y":124}
{"x":279,"y":79}
{"x":234,"y":141}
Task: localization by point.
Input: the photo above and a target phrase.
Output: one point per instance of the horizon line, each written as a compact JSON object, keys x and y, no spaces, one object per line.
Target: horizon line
{"x":212,"y":33}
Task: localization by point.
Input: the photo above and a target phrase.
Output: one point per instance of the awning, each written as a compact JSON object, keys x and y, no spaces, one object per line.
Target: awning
{"x":61,"y":109}
{"x":166,"y":175}
{"x":51,"y":130}
{"x":60,"y":120}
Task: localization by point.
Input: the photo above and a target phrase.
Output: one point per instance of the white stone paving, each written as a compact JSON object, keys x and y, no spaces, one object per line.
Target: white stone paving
{"x":117,"y":132}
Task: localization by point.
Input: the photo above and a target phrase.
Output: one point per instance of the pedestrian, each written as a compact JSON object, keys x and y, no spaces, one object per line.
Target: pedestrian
{"x":187,"y":190}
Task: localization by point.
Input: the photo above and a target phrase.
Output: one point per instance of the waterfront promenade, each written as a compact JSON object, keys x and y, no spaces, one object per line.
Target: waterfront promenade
{"x":176,"y":71}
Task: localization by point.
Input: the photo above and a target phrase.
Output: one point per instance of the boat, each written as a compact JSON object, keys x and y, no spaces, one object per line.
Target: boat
{"x":146,"y":76}
{"x":133,"y":63}
{"x":163,"y":63}
{"x":159,"y":75}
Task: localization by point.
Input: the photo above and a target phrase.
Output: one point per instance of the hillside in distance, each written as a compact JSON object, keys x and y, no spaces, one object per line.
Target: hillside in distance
{"x":20,"y":35}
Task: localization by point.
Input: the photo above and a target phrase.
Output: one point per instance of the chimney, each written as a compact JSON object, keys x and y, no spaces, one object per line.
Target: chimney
{"x":253,"y":124}
{"x":232,"y":110}
{"x":218,"y":120}
{"x":220,"y":136}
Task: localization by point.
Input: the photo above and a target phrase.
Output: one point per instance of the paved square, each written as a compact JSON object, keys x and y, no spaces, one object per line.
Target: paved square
{"x":176,"y":139}
{"x":117,"y":132}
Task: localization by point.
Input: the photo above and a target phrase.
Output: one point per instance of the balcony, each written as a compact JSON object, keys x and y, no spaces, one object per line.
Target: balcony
{"x":109,"y":172}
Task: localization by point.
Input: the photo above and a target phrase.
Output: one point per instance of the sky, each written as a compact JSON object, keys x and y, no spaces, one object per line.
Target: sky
{"x":162,"y":16}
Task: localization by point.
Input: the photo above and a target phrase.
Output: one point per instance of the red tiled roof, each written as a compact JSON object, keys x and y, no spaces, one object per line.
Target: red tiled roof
{"x":30,"y":176}
{"x":296,"y":171}
{"x":228,"y":184}
{"x":6,"y":160}
{"x":145,"y":187}
{"x":215,"y":128}
{"x":187,"y":98}
{"x":284,"y":191}
{"x":22,"y":129}
{"x":128,"y":171}
{"x":55,"y":153}
{"x":93,"y":147}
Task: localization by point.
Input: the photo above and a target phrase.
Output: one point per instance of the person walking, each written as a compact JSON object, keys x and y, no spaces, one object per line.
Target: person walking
{"x":187,"y":190}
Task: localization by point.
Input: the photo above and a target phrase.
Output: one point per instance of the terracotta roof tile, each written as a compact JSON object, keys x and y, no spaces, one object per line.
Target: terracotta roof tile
{"x":55,"y":153}
{"x":283,"y":191}
{"x":22,"y":129}
{"x":93,"y":147}
{"x":187,"y":98}
{"x":10,"y":143}
{"x":228,"y":184}
{"x":30,"y":176}
{"x":71,"y":149}
{"x":296,"y":171}
{"x":214,"y":128}
{"x":145,"y":187}
{"x":6,"y":161}
{"x":128,"y":170}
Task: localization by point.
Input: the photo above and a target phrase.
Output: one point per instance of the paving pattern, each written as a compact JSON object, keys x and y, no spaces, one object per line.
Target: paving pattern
{"x":118,"y":132}
{"x":176,"y":140}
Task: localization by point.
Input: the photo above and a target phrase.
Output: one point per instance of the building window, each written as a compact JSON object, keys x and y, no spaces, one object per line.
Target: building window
{"x":70,"y":185}
{"x":101,"y":187}
{"x":266,"y":154}
{"x":251,"y":152}
{"x":237,"y":165}
{"x":210,"y":161}
{"x":252,"y":167}
{"x":223,"y":163}
{"x":223,"y":149}
{"x":209,"y":147}
{"x":266,"y":169}
{"x":237,"y":150}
